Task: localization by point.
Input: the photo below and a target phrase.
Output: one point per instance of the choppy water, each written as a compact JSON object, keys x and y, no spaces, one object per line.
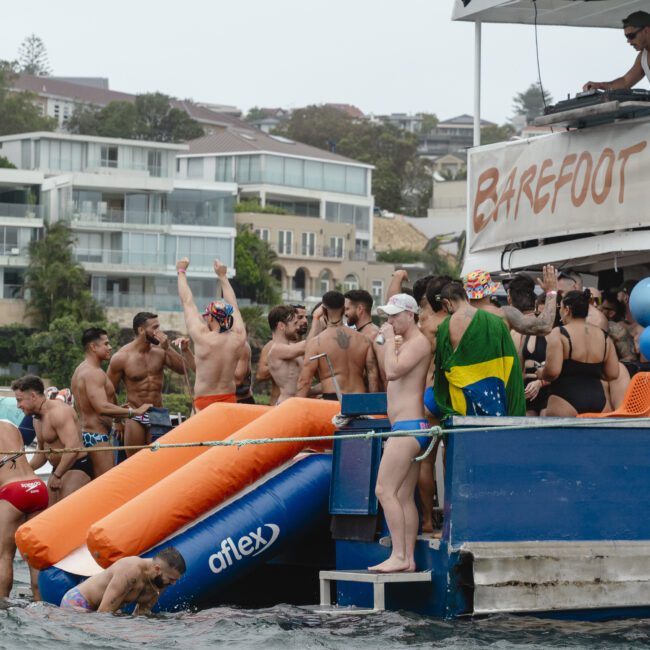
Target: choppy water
{"x":24,"y":625}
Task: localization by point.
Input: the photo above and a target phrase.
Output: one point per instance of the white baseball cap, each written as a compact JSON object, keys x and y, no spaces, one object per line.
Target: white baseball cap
{"x":397,"y":303}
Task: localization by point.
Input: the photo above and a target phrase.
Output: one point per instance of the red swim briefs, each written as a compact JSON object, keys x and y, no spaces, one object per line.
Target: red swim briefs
{"x":28,"y":496}
{"x":203,"y":401}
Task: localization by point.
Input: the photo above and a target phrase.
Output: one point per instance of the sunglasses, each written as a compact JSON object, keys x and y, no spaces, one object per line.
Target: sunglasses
{"x":596,"y":300}
{"x":632,"y":35}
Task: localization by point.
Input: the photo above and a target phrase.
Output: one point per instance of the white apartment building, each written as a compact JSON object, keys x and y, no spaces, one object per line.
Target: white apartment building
{"x":132,"y":219}
{"x":325,"y":238}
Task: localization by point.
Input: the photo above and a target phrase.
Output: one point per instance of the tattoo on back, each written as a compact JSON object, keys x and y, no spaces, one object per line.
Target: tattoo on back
{"x":343,"y":339}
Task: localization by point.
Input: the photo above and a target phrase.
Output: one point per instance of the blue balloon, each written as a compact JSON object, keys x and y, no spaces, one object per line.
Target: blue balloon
{"x":644,"y":343}
{"x":640,"y":302}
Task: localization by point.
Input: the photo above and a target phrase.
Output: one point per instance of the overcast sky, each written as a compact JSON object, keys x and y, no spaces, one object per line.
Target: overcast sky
{"x":383,"y":56}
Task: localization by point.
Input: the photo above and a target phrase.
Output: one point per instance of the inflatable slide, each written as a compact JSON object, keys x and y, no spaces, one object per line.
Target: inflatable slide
{"x":227,"y":509}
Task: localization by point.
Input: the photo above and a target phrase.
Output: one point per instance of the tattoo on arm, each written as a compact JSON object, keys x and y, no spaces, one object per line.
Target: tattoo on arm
{"x":343,"y":339}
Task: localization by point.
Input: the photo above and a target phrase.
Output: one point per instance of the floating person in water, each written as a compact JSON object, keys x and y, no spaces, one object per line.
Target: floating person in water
{"x":129,"y":580}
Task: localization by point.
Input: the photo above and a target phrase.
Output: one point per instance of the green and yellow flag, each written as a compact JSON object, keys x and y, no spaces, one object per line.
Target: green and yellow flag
{"x":482,"y":376}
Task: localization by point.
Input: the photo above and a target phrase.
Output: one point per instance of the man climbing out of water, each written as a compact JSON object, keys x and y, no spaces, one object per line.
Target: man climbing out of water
{"x":22,"y":496}
{"x":477,"y":365}
{"x":94,"y":396}
{"x":57,"y":427}
{"x":339,"y":355}
{"x":141,"y":364}
{"x":218,"y":336}
{"x":129,"y":580}
{"x":286,"y":354}
{"x":406,"y":370}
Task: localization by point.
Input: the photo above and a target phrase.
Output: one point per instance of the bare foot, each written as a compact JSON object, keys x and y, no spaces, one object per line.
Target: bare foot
{"x":427,"y":527}
{"x":392,"y":565}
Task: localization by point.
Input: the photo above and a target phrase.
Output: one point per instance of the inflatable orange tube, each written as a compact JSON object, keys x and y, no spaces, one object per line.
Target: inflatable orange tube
{"x":50,"y":536}
{"x":208,"y":480}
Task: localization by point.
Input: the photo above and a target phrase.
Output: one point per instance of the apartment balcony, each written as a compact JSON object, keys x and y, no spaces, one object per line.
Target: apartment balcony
{"x":146,"y":302}
{"x":143,"y":218}
{"x":362,"y":256}
{"x":146,"y":260}
{"x":13,"y":291}
{"x":298,"y":251}
{"x":21,"y":210}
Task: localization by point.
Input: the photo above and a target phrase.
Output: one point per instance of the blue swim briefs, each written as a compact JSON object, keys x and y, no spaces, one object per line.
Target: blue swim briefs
{"x":410,"y":425}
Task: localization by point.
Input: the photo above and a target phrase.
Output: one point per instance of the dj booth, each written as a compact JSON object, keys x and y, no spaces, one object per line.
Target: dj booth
{"x":595,"y":107}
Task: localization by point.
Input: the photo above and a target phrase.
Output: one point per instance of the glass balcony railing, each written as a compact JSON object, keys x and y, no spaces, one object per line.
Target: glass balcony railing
{"x":21,"y":210}
{"x":295,"y":250}
{"x":147,"y":260}
{"x":144,"y":302}
{"x":13,"y":291}
{"x":136,"y":217}
{"x":14,"y":250}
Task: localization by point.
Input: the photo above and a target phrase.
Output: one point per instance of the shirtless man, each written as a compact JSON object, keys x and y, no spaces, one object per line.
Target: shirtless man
{"x":218,"y":336}
{"x":358,"y":310}
{"x":406,"y":371}
{"x":263,"y":372}
{"x":22,"y":495}
{"x":286,"y":354}
{"x":57,"y":427}
{"x":140,"y":364}
{"x":94,"y":396}
{"x":636,"y":30}
{"x":129,"y":580}
{"x":349,"y":353}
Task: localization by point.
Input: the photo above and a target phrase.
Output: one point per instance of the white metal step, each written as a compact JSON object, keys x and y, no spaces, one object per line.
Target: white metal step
{"x":378,"y":581}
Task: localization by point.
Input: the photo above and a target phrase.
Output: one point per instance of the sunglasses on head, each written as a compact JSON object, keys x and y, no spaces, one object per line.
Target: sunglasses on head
{"x":632,"y":35}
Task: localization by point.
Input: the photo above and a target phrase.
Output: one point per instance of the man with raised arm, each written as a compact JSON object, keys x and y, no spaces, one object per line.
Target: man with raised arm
{"x":22,"y":496}
{"x":286,"y":354}
{"x":406,"y":370}
{"x":129,"y":580}
{"x":218,"y":337}
{"x":141,"y":364}
{"x":57,"y":427}
{"x":340,"y":355}
{"x":94,"y":396}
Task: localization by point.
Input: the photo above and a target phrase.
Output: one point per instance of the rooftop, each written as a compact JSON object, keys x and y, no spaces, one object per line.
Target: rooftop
{"x":463,"y":120}
{"x":53,"y":135}
{"x":235,"y":141}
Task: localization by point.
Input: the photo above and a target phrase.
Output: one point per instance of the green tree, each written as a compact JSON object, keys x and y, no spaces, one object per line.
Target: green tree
{"x":19,"y":111}
{"x":58,"y":351}
{"x":32,"y":56}
{"x":429,"y":123}
{"x":151,"y":117}
{"x":494,"y":133}
{"x":254,"y":260}
{"x":6,"y":164}
{"x":255,"y":113}
{"x":13,"y":343}
{"x":531,"y":102}
{"x":57,"y":283}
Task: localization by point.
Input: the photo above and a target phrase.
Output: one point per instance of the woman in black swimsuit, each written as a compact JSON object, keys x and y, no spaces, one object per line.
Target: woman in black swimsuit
{"x":578,"y":357}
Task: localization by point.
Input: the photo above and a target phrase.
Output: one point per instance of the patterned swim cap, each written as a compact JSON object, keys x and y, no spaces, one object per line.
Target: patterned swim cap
{"x":479,"y":284}
{"x":222,"y":312}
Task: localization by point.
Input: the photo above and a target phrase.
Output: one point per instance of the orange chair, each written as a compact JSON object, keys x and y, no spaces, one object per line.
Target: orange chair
{"x":636,"y":403}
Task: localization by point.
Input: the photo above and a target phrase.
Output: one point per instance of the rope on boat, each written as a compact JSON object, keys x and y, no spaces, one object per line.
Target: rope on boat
{"x":434,"y":433}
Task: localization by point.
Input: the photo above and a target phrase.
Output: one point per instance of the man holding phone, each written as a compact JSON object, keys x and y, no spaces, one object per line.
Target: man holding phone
{"x":140,"y":364}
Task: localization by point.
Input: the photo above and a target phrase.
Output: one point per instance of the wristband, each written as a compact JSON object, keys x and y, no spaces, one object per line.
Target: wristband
{"x":130,"y":412}
{"x":551,"y":293}
{"x":181,"y":270}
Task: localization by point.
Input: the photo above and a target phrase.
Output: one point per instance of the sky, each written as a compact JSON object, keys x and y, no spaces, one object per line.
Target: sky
{"x":384,"y":56}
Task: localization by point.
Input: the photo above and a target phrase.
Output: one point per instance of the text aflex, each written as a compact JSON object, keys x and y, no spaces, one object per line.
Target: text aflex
{"x":252,"y":544}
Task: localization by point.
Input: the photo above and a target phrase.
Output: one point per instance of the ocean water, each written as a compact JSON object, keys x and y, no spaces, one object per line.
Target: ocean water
{"x":35,"y":625}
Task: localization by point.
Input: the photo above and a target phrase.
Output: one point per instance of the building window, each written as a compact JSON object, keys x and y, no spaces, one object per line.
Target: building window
{"x":308,"y":247}
{"x":350,"y":282}
{"x":154,"y":163}
{"x":325,"y":279}
{"x":195,"y":167}
{"x":108,"y":156}
{"x":378,"y":291}
{"x":264,"y":234}
{"x":285,"y":242}
{"x":335,"y":247}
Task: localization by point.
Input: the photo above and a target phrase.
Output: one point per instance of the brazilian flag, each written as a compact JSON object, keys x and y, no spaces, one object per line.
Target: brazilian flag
{"x":482,"y":376}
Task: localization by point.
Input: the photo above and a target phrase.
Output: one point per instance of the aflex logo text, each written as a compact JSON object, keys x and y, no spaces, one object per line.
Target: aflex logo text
{"x":252,"y":544}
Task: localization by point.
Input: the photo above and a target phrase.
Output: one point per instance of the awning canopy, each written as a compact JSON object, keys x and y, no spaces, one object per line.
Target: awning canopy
{"x":571,"y":13}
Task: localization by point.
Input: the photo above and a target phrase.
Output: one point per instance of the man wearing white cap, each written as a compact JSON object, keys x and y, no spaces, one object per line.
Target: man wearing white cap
{"x":406,"y":370}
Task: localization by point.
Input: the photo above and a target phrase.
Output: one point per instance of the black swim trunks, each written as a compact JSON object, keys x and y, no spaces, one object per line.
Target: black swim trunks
{"x":84,"y":465}
{"x":332,"y":397}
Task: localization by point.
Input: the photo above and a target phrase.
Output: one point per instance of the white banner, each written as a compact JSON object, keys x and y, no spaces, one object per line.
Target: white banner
{"x":592,"y":180}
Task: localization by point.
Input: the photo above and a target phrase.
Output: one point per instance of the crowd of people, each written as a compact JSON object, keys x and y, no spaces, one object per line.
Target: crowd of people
{"x":447,"y":347}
